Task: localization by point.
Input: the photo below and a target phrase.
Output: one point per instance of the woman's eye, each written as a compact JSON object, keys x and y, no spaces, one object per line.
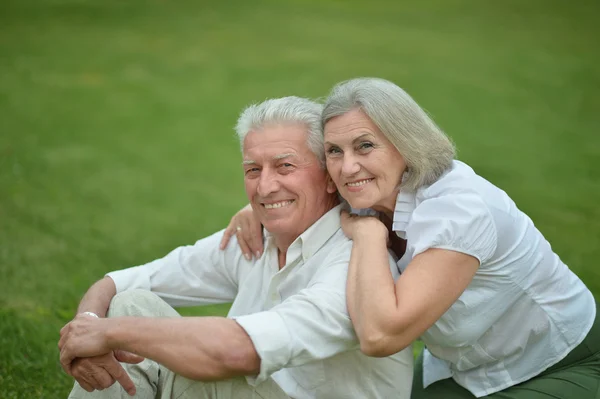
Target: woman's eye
{"x":333,"y":150}
{"x":365,"y":145}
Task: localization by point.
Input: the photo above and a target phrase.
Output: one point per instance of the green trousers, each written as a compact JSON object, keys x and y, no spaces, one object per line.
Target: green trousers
{"x":577,"y":376}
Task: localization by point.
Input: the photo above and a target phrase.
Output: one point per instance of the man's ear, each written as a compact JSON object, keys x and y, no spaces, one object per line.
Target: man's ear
{"x":331,"y":188}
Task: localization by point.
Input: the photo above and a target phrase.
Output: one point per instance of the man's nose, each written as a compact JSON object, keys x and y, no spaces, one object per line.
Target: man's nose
{"x":350,"y":165}
{"x":268,"y":183}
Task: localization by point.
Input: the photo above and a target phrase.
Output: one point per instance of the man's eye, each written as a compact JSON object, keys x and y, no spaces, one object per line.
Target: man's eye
{"x":285,"y":167}
{"x":251,"y":170}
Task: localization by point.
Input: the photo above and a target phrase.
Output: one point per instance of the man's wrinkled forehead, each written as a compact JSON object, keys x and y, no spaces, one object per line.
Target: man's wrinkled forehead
{"x":276,"y":142}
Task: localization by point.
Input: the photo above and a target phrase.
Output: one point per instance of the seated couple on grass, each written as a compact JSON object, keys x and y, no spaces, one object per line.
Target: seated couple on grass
{"x":326,"y":303}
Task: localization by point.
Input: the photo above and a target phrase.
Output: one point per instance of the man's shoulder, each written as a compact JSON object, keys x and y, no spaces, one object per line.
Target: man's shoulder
{"x":338,"y":246}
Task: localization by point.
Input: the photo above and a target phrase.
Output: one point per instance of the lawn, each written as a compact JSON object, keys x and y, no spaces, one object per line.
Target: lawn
{"x":116,"y":139}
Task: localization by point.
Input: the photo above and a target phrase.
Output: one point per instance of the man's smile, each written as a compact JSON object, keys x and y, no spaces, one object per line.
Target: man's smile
{"x":275,"y":205}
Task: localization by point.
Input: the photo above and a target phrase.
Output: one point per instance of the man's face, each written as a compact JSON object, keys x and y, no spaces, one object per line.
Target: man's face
{"x":287,"y":188}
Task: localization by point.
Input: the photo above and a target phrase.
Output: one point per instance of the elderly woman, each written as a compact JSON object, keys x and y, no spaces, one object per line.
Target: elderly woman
{"x":500,"y":314}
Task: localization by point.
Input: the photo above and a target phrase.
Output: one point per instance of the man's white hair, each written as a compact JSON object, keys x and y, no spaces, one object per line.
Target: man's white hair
{"x":292,"y":110}
{"x":426,"y":149}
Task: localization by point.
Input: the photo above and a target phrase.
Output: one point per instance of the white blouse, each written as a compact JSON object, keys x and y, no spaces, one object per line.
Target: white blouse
{"x":524,"y":311}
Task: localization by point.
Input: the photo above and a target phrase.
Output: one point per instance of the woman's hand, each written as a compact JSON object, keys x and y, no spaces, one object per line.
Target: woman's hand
{"x":248,"y":231}
{"x":354,"y":226}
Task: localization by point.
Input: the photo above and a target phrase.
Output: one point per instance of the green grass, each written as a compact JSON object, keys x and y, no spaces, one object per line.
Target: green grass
{"x":116,"y":140}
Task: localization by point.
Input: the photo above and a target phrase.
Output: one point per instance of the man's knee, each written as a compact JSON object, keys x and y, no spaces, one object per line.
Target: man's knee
{"x":136,"y":302}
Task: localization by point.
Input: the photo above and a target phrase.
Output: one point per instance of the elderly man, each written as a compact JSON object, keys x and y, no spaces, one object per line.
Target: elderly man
{"x":287,"y":334}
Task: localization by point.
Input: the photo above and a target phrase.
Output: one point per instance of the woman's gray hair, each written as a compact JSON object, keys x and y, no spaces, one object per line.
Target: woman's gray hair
{"x":426,"y":149}
{"x":293,"y":110}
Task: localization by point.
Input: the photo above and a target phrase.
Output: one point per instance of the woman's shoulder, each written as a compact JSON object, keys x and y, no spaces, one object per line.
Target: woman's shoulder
{"x":459,"y":192}
{"x":453,"y":213}
{"x":460,"y":178}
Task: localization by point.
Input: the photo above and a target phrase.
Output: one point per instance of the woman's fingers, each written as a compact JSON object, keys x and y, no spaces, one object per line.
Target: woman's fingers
{"x":229,"y":232}
{"x":255,"y":239}
{"x":248,"y":231}
{"x":251,"y":234}
{"x":243,"y":243}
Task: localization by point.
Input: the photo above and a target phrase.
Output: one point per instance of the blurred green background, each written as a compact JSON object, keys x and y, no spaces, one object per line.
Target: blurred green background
{"x":116,"y":139}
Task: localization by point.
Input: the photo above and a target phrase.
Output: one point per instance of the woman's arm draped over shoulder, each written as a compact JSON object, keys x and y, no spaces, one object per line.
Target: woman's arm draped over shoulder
{"x":388,"y":317}
{"x":449,"y":235}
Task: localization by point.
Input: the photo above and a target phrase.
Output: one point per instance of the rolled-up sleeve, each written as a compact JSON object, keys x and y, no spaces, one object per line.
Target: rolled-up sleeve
{"x":271,"y":338}
{"x":308,"y":326}
{"x":131,"y":278}
{"x":189,"y":275}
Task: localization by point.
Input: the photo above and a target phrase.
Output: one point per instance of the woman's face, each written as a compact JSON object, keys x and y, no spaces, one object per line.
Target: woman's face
{"x":366,"y":168}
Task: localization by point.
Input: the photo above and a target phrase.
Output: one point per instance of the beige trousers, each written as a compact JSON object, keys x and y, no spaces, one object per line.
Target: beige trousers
{"x":155,"y":381}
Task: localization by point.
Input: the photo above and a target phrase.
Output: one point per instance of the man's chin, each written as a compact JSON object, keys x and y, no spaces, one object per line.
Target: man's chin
{"x":278,"y":226}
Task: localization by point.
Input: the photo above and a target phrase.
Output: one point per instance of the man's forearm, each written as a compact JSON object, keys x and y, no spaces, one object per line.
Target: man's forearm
{"x":98,"y":297}
{"x":199,"y":348}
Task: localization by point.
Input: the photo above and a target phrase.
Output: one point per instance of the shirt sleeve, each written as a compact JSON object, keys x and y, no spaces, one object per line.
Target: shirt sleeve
{"x":311,"y":325}
{"x":189,"y":275}
{"x":459,"y":222}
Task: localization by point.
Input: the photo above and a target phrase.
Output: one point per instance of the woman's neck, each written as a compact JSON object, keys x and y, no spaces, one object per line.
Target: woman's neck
{"x":388,"y":205}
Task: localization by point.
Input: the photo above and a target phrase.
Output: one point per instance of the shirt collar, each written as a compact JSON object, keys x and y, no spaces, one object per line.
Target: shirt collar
{"x":406,"y":202}
{"x":313,"y":238}
{"x":405,"y":205}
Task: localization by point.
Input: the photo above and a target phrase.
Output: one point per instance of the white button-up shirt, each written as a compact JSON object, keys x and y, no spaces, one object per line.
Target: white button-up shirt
{"x":524,"y":309}
{"x":296,"y":317}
